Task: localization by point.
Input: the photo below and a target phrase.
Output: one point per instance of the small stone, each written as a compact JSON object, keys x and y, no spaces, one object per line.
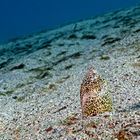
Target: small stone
{"x":49,"y":129}
{"x":105,"y":57}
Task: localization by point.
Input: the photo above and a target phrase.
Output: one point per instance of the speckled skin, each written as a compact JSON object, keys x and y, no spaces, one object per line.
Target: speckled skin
{"x":91,"y":101}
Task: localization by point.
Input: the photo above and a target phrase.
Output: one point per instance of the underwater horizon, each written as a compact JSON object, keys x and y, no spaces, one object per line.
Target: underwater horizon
{"x":24,"y":18}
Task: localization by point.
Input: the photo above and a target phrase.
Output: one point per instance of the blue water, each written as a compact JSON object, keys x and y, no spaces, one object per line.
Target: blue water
{"x":21,"y":17}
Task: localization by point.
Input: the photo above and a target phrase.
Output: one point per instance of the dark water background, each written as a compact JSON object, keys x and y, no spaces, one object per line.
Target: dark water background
{"x":21,"y":17}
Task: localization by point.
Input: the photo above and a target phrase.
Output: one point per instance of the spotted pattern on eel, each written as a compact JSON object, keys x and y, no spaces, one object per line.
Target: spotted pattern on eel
{"x":93,"y":97}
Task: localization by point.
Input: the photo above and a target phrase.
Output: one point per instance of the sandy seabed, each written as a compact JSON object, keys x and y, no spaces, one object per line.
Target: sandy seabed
{"x":41,"y":74}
